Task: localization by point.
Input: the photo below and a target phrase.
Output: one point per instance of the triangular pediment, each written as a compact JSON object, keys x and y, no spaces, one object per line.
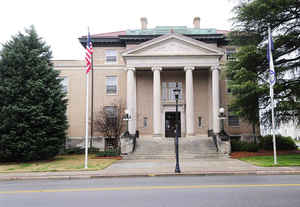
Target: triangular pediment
{"x":173,"y":45}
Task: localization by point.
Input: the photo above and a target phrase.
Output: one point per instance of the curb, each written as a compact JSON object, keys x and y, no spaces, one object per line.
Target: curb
{"x":97,"y":176}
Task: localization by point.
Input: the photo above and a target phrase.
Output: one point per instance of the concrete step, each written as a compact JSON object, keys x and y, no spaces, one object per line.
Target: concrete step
{"x":164,"y":148}
{"x":172,"y":156}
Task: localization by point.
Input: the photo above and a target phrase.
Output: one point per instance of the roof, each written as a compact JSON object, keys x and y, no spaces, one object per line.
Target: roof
{"x":109,"y":34}
{"x":211,"y":48}
{"x":160,"y":30}
{"x":121,"y":38}
{"x":225,"y":32}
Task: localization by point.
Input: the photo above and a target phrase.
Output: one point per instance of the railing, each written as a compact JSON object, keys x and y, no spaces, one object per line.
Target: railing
{"x":210,"y":133}
{"x":223,"y":135}
{"x":215,"y":142}
{"x":132,"y":139}
{"x":134,"y":143}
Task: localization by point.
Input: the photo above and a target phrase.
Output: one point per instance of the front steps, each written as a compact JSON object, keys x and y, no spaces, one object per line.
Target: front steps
{"x":198,"y":147}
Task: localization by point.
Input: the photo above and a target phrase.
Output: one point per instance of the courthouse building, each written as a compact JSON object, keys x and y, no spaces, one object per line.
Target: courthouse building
{"x":141,"y":68}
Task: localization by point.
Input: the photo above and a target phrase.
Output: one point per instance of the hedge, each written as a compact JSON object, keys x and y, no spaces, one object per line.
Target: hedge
{"x":108,"y":153}
{"x":237,"y":146}
{"x":266,"y":143}
{"x":282,"y":143}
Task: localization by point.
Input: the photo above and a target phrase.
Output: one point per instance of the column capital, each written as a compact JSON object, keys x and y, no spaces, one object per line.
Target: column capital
{"x":156,"y":68}
{"x":189,"y":68}
{"x":215,"y":67}
{"x":129,"y":68}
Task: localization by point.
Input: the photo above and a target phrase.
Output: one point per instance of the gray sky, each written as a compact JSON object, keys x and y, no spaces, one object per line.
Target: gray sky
{"x":61,"y":22}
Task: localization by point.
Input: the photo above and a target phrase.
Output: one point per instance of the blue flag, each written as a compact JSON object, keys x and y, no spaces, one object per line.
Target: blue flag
{"x":272,"y":75}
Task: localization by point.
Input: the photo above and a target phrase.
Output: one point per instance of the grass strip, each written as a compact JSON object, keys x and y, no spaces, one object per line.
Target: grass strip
{"x":60,"y":163}
{"x":268,"y":161}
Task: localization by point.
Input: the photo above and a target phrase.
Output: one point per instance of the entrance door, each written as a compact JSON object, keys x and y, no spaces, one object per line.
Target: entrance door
{"x":170,"y":124}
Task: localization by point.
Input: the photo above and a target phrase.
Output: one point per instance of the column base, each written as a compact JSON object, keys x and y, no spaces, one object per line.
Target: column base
{"x":156,"y":135}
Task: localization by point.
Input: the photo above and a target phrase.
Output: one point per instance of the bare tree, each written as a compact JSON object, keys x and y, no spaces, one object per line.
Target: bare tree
{"x":109,"y":122}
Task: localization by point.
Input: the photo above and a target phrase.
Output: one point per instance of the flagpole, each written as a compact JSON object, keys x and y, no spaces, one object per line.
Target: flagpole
{"x":272,"y":82}
{"x":86,"y":122}
{"x":87,"y":102}
{"x":273,"y":125}
{"x":92,"y":102}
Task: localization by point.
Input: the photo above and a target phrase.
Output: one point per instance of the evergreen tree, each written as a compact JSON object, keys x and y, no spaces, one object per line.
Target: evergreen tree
{"x":244,"y":85}
{"x":249,"y":74}
{"x":33,"y":105}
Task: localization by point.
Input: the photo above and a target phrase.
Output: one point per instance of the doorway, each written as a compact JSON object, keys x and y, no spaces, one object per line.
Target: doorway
{"x":170,"y":124}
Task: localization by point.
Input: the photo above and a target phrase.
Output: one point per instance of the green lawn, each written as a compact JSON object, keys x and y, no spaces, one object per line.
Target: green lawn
{"x":268,"y":161}
{"x":60,"y":163}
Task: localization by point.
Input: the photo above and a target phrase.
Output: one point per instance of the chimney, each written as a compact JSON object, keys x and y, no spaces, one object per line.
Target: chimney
{"x":196,"y":22}
{"x":144,"y":23}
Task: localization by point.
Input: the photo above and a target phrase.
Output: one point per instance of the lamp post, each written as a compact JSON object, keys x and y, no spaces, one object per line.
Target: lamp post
{"x":176,"y":92}
{"x":222,"y":116}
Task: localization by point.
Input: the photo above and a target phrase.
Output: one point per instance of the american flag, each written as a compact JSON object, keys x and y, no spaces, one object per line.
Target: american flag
{"x":88,"y":53}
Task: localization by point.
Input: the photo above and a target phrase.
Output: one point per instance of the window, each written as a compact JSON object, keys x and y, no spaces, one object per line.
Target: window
{"x":199,"y":121}
{"x":233,"y":119}
{"x":164,"y":93}
{"x":110,"y":56}
{"x":145,"y":122}
{"x":65,"y":83}
{"x":230,"y":54}
{"x":111,"y":115}
{"x":111,"y":111}
{"x":168,"y":91}
{"x":111,"y":85}
{"x":227,"y":86}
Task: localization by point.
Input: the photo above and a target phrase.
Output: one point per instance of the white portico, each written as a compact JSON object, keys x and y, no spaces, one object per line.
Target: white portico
{"x":173,"y":58}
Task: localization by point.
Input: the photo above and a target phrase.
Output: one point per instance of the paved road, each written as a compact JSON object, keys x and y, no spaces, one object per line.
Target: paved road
{"x":231,"y":191}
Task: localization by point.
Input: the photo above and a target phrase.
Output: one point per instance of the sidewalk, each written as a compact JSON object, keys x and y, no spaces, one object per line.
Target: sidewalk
{"x":132,"y":168}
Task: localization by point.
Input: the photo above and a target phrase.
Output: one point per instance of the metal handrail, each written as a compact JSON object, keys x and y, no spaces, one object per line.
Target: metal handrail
{"x":134,"y":142}
{"x":215,"y":141}
{"x":224,"y":136}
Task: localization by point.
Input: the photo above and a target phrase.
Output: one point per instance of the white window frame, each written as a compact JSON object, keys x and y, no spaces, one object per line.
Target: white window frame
{"x":106,"y":85}
{"x":232,"y":115}
{"x":111,"y":54}
{"x":168,"y":93}
{"x":229,"y":54}
{"x":145,"y":122}
{"x":65,"y":84}
{"x":112,"y":111}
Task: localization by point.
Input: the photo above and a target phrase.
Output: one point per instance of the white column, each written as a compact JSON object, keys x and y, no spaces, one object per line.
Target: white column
{"x":131,"y":99}
{"x":134,"y":115}
{"x":156,"y":102}
{"x":189,"y":97}
{"x":215,"y":98}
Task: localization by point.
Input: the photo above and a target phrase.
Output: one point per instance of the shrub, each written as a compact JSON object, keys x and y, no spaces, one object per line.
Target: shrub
{"x":73,"y":151}
{"x":108,"y":153}
{"x":79,"y":150}
{"x":282,"y":143}
{"x":237,"y":145}
{"x":250,"y":147}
